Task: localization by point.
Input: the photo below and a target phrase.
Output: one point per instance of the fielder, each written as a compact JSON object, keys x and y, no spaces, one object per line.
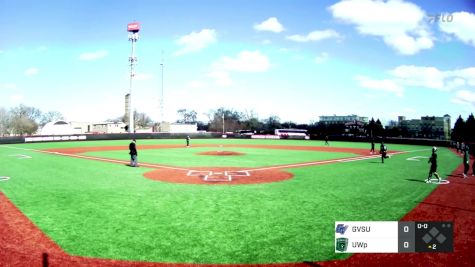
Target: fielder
{"x":466,"y":161}
{"x":433,"y":166}
{"x":383,"y":150}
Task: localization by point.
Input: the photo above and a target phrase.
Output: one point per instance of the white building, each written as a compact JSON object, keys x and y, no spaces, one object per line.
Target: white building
{"x":108,"y":127}
{"x":57,"y":128}
{"x":167,"y":127}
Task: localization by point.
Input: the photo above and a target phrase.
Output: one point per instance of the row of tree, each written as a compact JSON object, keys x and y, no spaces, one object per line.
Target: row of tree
{"x":230,"y":120}
{"x":464,"y":130}
{"x":23,"y":120}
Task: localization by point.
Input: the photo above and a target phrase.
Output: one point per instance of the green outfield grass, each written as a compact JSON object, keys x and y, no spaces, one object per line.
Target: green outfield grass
{"x":107,"y":210}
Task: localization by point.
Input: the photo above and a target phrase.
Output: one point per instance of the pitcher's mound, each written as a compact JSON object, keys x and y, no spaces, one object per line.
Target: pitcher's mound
{"x":221,"y":153}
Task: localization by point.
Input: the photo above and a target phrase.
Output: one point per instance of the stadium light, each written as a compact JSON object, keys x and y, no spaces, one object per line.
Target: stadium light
{"x":133,"y":29}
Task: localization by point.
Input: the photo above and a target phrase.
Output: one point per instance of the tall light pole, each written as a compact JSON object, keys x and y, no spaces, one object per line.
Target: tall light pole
{"x":161,"y":97}
{"x":133,"y":29}
{"x":223,"y":122}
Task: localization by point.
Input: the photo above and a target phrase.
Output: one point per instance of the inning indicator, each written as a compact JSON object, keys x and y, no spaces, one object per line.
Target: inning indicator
{"x":393,"y":237}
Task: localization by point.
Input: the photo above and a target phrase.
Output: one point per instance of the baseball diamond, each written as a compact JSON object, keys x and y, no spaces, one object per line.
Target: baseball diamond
{"x":274,"y":203}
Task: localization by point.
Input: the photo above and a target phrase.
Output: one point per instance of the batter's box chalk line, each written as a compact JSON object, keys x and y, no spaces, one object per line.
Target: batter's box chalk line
{"x":217,"y":176}
{"x":436,"y":181}
{"x":4,"y":178}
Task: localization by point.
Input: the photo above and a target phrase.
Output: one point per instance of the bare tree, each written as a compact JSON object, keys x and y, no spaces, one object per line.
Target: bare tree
{"x":24,"y":119}
{"x":141,"y":119}
{"x":232,"y":120}
{"x":50,"y":116}
{"x":4,"y":122}
{"x":186,"y":116}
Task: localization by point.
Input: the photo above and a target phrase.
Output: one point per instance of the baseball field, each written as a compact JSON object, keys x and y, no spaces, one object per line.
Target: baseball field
{"x":218,"y":201}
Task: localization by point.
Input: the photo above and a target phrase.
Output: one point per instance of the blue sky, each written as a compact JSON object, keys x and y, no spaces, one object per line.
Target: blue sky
{"x":295,"y":59}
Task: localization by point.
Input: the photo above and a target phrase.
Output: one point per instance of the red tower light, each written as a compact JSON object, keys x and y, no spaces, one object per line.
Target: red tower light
{"x":133,"y":27}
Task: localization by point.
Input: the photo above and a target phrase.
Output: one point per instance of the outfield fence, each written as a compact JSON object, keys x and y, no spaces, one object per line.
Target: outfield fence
{"x":128,"y":136}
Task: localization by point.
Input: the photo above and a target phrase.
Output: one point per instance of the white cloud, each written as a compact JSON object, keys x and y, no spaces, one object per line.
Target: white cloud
{"x":271,"y":24}
{"x":196,"y":41}
{"x":400,"y":24}
{"x":429,"y":77}
{"x":8,"y":86}
{"x":321,"y":58}
{"x":386,"y":85}
{"x":468,"y":74}
{"x":266,"y":42}
{"x":16,"y":98}
{"x":221,"y":78}
{"x":462,"y":26}
{"x":245,"y":61}
{"x":196,"y":84}
{"x":88,"y":56}
{"x":464,"y":97}
{"x":314,"y":36}
{"x":403,"y":76}
{"x":31,"y":71}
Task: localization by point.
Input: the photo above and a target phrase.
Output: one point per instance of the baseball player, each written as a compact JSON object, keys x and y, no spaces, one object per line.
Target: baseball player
{"x":433,"y":166}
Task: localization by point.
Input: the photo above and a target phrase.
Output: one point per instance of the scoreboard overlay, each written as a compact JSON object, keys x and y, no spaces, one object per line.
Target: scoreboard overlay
{"x":393,"y":236}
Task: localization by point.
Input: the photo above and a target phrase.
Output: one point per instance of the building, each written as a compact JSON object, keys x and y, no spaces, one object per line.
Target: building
{"x":57,"y":128}
{"x":351,"y":125}
{"x":81,"y":127}
{"x":426,"y":127}
{"x":167,"y":127}
{"x":108,"y":127}
{"x":343,"y":119}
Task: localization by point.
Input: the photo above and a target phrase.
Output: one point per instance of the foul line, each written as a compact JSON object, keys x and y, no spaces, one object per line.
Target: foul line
{"x":96,"y":158}
{"x":331,"y":161}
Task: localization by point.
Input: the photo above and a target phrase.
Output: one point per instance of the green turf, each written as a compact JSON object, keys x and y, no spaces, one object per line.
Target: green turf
{"x":100,"y":209}
{"x":252,"y":157}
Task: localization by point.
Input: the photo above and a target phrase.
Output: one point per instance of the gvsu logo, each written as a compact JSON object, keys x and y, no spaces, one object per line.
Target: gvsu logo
{"x":341,"y":228}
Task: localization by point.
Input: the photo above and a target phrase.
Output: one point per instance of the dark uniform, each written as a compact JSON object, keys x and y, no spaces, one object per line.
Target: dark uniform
{"x":433,"y":166}
{"x":383,"y":150}
{"x":187,"y":140}
{"x":466,"y":161}
{"x":133,"y":153}
{"x":372,"y":146}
